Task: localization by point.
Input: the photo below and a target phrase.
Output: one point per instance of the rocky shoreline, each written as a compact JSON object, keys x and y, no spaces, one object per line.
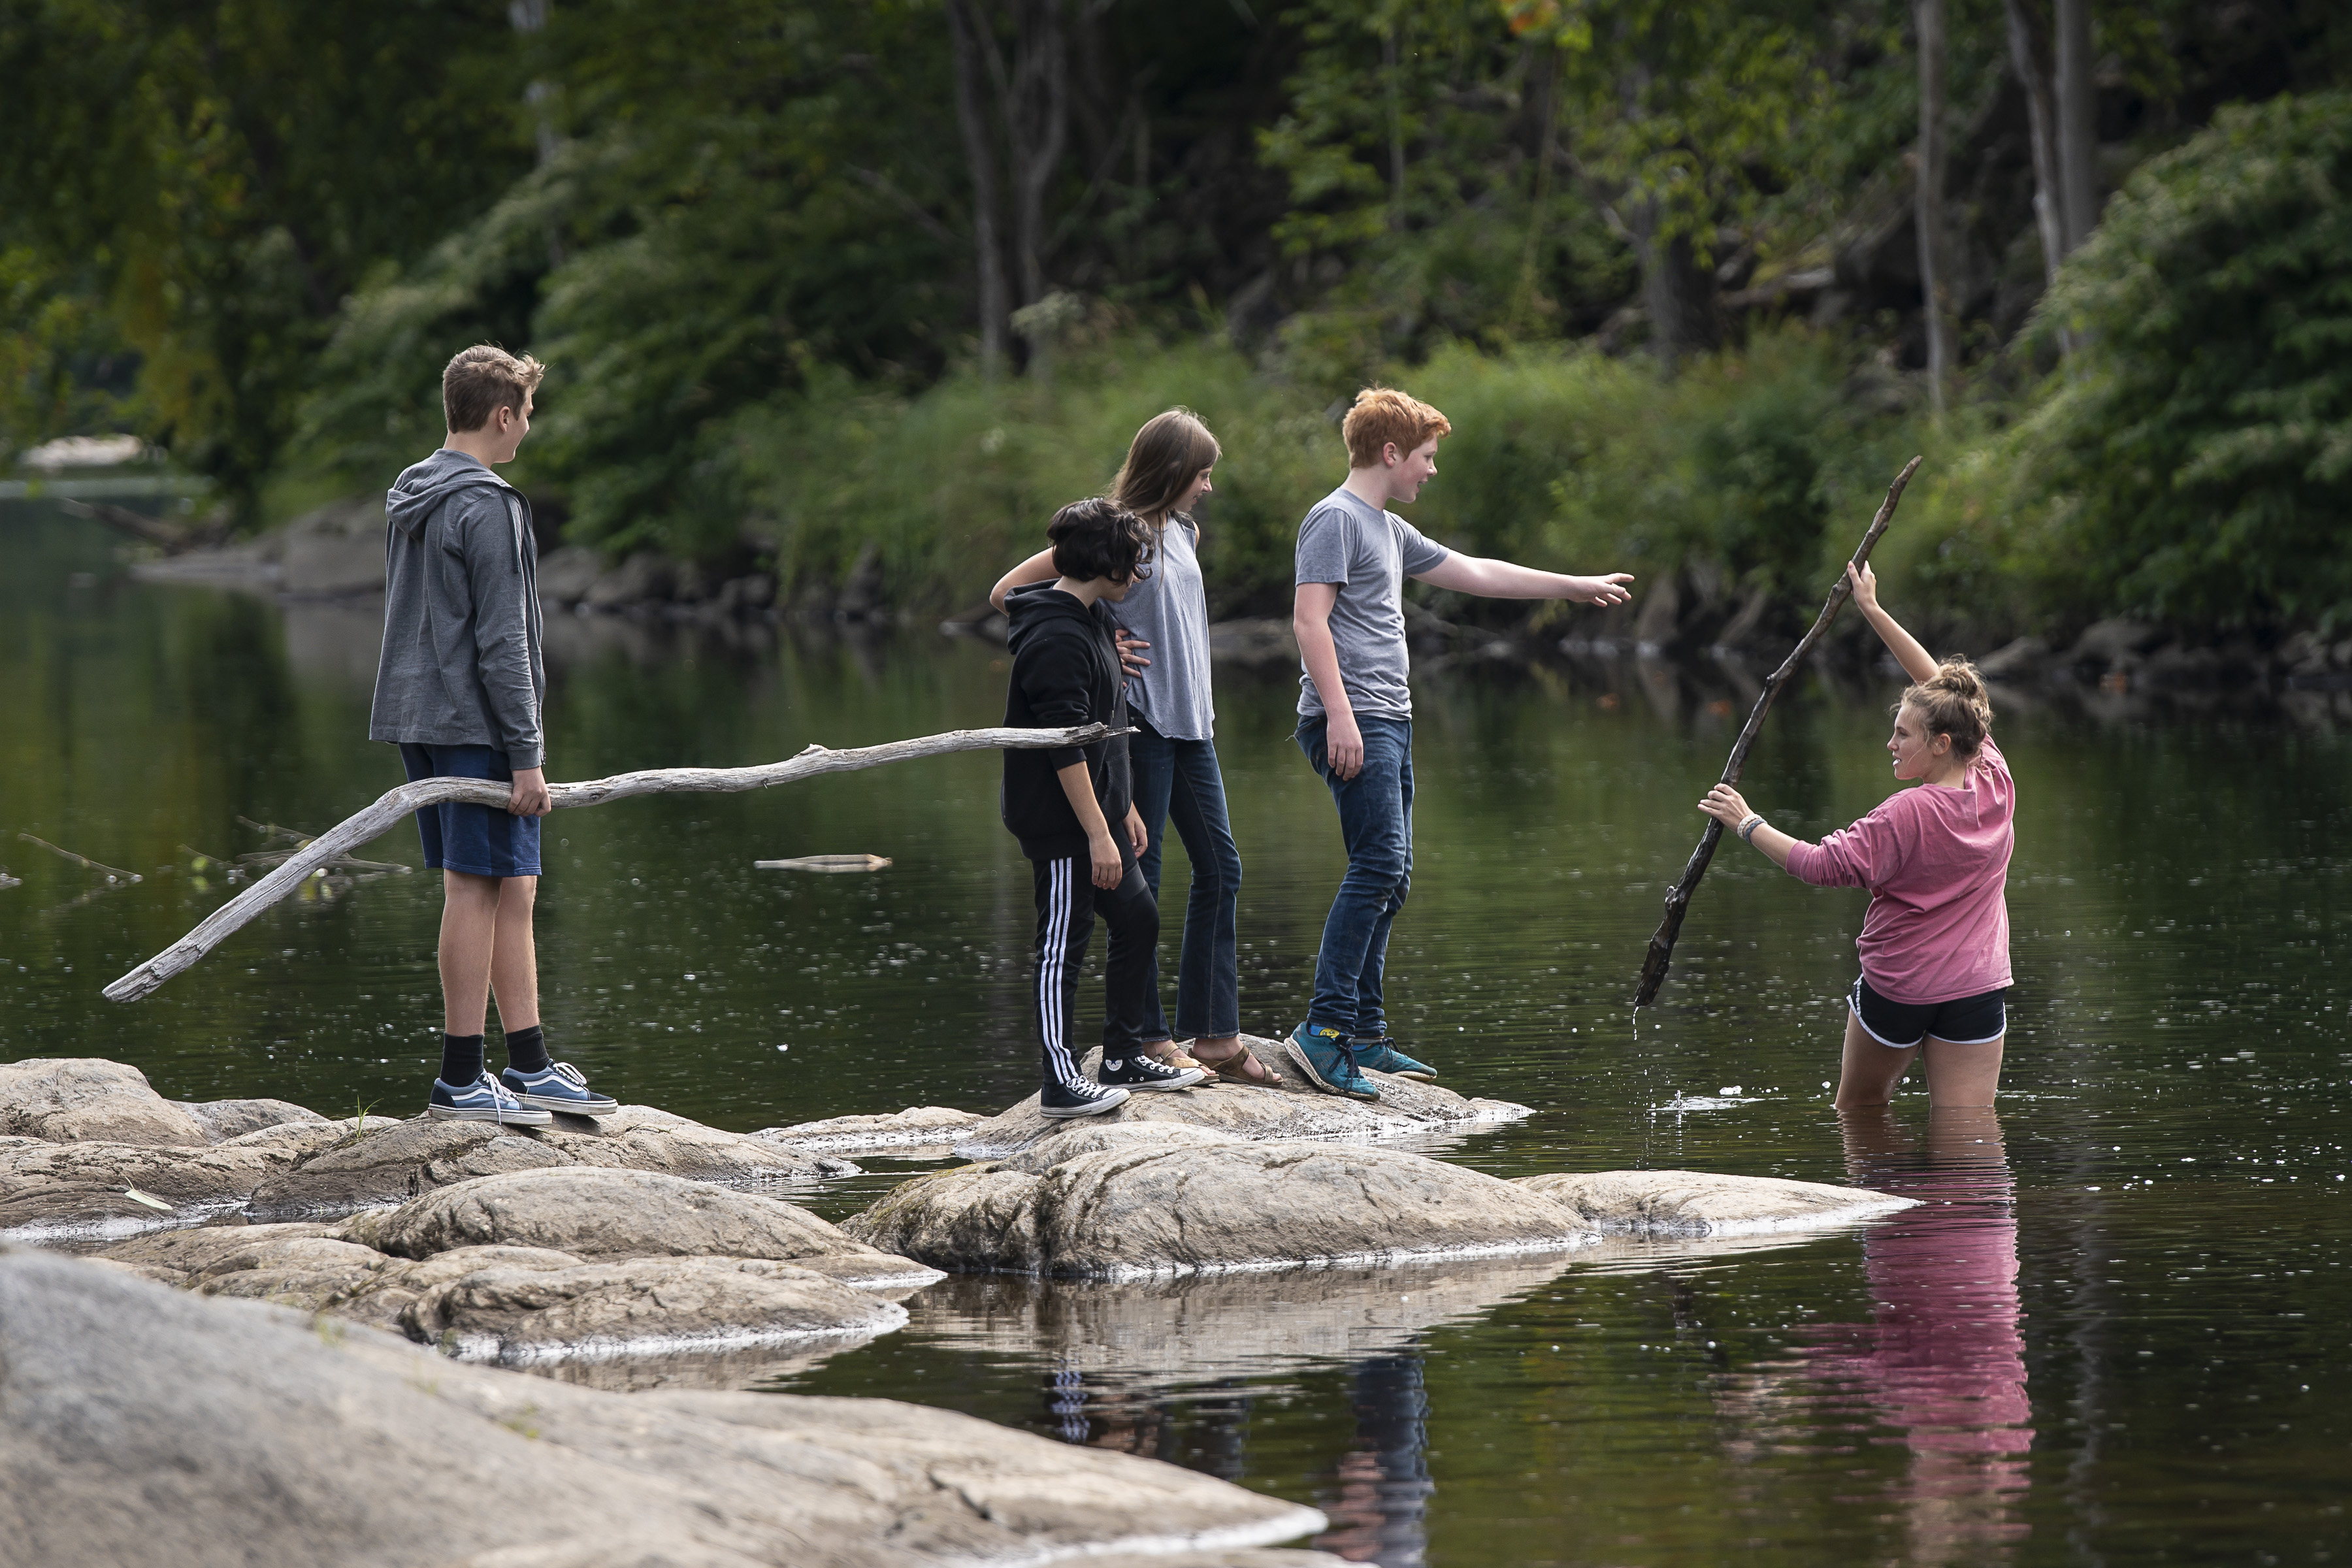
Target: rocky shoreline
{"x":335,"y":555}
{"x":313,"y":1324}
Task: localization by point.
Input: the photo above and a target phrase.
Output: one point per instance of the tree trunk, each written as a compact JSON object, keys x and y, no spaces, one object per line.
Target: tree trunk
{"x":974,"y":47}
{"x":1037,"y":119}
{"x":2078,"y":122}
{"x":2028,"y":56}
{"x":1678,"y":294}
{"x":1936,"y":291}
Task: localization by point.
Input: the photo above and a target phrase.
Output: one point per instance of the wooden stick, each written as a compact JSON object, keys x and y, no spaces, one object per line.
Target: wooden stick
{"x":825,"y":863}
{"x":393,"y":804}
{"x":1662,"y":941}
{"x":112,"y":873}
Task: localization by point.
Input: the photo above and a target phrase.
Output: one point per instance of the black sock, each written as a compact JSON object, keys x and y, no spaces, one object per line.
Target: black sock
{"x":461,"y":1059}
{"x":527,"y":1050}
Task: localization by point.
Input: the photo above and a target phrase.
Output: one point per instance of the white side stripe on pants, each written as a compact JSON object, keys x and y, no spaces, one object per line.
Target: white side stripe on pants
{"x":1052,"y":961}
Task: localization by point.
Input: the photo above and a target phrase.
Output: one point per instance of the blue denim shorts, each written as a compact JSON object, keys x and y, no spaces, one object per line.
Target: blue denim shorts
{"x":460,"y":835}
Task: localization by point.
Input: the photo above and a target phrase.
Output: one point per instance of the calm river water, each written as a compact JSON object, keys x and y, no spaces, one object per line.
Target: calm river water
{"x":2115,"y":1334}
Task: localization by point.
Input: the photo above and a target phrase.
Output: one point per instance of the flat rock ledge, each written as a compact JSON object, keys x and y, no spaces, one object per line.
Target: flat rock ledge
{"x":1294,"y":1110}
{"x":561,"y":1265}
{"x":242,"y":1434}
{"x":1678,"y":1205}
{"x":88,"y":1151}
{"x":1146,"y":1199}
{"x":925,"y":1126}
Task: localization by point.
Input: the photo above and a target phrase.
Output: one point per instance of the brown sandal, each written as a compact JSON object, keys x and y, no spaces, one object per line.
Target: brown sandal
{"x":1236,"y":1068}
{"x":1182,"y":1059}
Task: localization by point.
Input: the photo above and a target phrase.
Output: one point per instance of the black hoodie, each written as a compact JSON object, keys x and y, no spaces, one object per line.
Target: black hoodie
{"x":1066,"y":670}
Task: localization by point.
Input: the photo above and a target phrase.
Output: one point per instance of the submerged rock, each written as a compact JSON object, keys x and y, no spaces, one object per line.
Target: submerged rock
{"x":603,"y":1214}
{"x":1297,"y":1109}
{"x":1673,"y":1203}
{"x":73,"y":1100}
{"x":1114,"y":1202}
{"x":235,"y":1433}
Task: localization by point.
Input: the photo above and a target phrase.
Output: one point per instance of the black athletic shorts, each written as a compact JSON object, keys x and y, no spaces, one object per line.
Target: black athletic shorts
{"x":1968,"y":1021}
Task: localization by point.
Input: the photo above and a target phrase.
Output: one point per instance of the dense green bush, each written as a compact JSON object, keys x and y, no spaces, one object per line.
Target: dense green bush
{"x":2193,"y":460}
{"x":1560,"y":457}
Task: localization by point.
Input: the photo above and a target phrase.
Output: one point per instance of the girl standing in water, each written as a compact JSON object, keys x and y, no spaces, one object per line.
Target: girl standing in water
{"x":1174,"y":752}
{"x":1934,"y":944}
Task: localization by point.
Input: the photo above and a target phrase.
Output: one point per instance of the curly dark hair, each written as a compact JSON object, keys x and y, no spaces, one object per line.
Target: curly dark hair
{"x":1099,"y":538}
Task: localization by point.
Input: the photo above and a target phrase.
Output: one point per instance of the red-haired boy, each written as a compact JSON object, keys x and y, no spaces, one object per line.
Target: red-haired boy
{"x":1355,"y":710}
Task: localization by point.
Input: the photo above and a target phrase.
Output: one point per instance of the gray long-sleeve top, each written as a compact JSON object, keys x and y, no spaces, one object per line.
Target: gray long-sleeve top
{"x":461,"y":663}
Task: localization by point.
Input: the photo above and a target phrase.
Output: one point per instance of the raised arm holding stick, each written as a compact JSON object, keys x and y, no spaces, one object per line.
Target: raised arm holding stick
{"x":1661,"y":955}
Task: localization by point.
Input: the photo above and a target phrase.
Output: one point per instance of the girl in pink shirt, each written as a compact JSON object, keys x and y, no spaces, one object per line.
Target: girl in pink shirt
{"x":1934,"y":945}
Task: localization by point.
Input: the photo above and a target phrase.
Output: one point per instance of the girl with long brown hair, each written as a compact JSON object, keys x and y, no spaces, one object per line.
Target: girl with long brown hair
{"x":1174,"y":752}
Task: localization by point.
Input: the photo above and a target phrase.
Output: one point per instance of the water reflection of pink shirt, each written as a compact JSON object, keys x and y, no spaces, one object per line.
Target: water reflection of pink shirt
{"x":1936,"y":862}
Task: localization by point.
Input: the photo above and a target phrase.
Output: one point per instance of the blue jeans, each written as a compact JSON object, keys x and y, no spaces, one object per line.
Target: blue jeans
{"x":1376,"y":821}
{"x":1180,"y":780}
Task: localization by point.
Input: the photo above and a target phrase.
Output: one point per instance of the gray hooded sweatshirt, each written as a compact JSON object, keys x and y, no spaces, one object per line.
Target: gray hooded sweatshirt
{"x":461,"y":664}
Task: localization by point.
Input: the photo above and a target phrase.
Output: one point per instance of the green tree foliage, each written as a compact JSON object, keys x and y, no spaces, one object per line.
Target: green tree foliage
{"x":2194,"y":461}
{"x":220,"y":175}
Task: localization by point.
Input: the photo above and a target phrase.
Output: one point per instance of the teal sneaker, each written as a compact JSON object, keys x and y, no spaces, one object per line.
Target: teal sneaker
{"x":1382,"y":1056}
{"x":1322,"y":1054}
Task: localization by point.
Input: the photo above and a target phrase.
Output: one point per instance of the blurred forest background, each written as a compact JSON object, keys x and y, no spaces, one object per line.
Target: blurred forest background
{"x":825,"y":281}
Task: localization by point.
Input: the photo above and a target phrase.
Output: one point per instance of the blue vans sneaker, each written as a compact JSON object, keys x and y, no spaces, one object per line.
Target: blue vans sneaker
{"x":1322,"y":1053}
{"x":558,"y":1087}
{"x":484,"y":1099}
{"x":1381,"y":1054}
{"x":1079,"y":1098}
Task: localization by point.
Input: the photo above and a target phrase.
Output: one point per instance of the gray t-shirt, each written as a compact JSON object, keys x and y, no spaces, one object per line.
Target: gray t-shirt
{"x":1369,"y":554}
{"x":1169,"y":610}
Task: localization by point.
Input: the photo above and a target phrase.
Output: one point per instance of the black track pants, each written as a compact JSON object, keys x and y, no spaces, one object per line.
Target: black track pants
{"x":1068,"y":903}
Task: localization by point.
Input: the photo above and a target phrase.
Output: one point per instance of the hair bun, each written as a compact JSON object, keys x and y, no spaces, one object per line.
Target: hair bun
{"x":1953,"y":701}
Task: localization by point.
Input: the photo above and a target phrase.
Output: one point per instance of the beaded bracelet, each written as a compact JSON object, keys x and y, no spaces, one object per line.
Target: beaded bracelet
{"x":1747,"y":828}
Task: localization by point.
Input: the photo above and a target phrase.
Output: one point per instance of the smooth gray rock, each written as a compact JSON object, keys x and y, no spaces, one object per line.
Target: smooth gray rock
{"x":144,"y":1421}
{"x":918,"y":1125}
{"x":1137,"y":1204}
{"x":640,"y":1138}
{"x":596,"y":1312}
{"x":1297,"y":1109}
{"x":1673,"y":1204}
{"x":58,"y":1192}
{"x":222,"y":1120}
{"x":395,"y":1164}
{"x":567,"y":573}
{"x":73,"y":1100}
{"x":603,"y":1214}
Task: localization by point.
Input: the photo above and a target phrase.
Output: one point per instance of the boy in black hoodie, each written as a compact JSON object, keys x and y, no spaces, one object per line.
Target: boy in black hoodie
{"x":1063,"y":804}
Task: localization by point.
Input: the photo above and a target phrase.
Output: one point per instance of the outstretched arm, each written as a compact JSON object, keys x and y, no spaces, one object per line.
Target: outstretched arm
{"x":1503,"y":580}
{"x":1916,"y":661}
{"x":1727,"y":805}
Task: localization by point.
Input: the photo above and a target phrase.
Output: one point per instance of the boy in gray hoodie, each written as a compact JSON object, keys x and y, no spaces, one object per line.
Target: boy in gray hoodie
{"x":459,"y":688}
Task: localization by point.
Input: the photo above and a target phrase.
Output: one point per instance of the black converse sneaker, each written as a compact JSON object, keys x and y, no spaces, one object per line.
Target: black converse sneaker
{"x":1079,"y":1098}
{"x":1146,"y":1074}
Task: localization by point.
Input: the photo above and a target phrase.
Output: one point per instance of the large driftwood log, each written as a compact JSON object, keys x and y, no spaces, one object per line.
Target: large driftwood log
{"x":1661,"y":955}
{"x":395,"y":804}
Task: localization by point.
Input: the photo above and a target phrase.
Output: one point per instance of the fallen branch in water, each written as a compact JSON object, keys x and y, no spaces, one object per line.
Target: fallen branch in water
{"x":825,"y":863}
{"x":1661,"y":955}
{"x":393,"y":804}
{"x":112,"y":873}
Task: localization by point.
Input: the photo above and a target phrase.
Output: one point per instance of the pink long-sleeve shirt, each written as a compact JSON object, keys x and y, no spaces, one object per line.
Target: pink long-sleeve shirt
{"x":1936,"y":862}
